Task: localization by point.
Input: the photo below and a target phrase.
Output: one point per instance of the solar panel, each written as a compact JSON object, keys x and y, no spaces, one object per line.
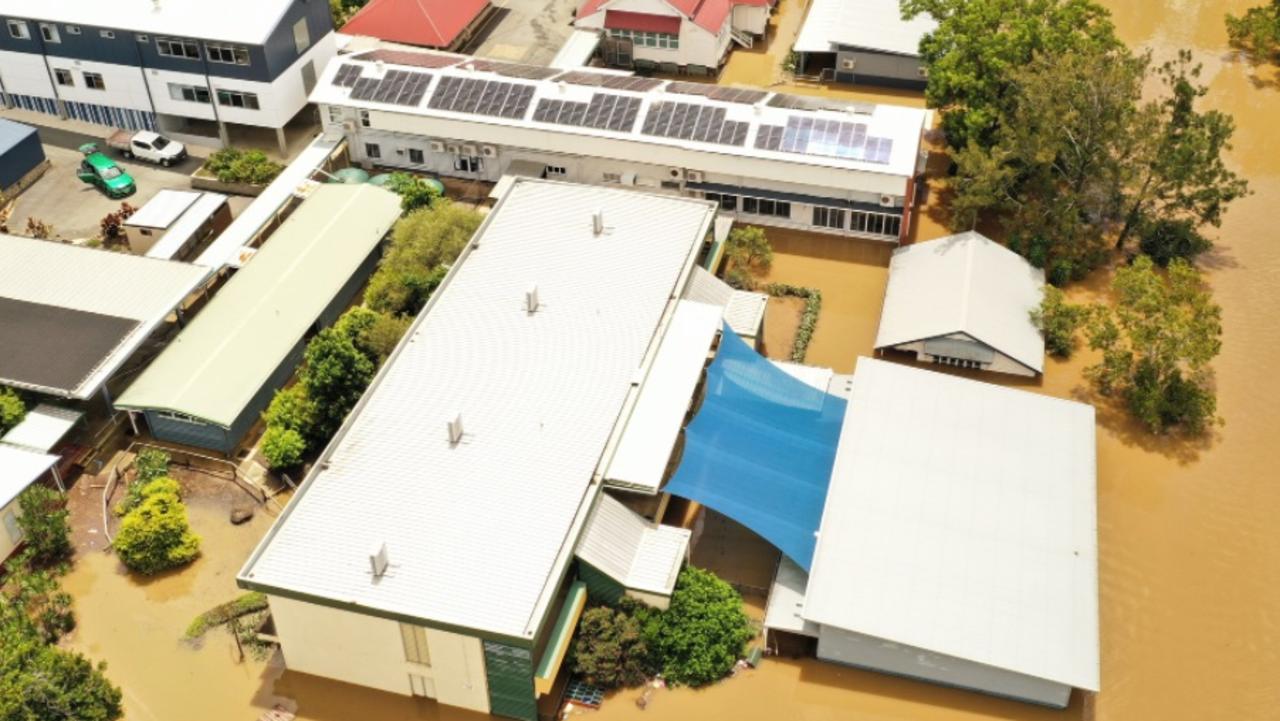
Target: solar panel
{"x":609,"y":81}
{"x":825,"y":137}
{"x":687,"y":121}
{"x":806,"y":102}
{"x":511,"y":70}
{"x":718,"y":92}
{"x":605,"y":111}
{"x":482,"y":97}
{"x":417,"y":59}
{"x":364,"y":88}
{"x":346,"y":75}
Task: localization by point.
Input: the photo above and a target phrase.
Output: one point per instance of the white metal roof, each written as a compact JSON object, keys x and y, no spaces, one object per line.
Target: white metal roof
{"x":42,"y":428}
{"x":92,"y":280}
{"x":577,"y":49}
{"x":622,"y":544}
{"x":241,"y":21}
{"x":164,"y":207}
{"x":226,"y":248}
{"x":786,"y":600}
{"x":180,"y":232}
{"x":903,"y":125}
{"x":650,"y":432}
{"x":962,"y":519}
{"x":479,"y":532}
{"x":812,"y":376}
{"x":964,"y":283}
{"x":743,"y":310}
{"x":870,"y":24}
{"x":19,"y":468}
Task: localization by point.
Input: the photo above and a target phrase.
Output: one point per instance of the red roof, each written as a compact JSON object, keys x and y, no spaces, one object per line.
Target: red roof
{"x":706,"y":14}
{"x":621,"y":20}
{"x":429,"y":23}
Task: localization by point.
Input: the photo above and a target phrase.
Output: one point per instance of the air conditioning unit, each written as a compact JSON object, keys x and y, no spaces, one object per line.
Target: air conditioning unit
{"x":675,"y":173}
{"x":437,"y":146}
{"x":470,"y":150}
{"x":693,"y":176}
{"x":488,"y":151}
{"x":848,"y":64}
{"x":348,"y":127}
{"x":627,"y":179}
{"x":399,"y":151}
{"x":924,"y":72}
{"x":451,"y":148}
{"x":886,"y":201}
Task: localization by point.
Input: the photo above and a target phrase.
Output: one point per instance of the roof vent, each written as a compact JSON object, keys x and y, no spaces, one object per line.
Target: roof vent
{"x":381,"y":66}
{"x":531,"y":299}
{"x":380,"y":561}
{"x":597,"y":223}
{"x":455,"y":430}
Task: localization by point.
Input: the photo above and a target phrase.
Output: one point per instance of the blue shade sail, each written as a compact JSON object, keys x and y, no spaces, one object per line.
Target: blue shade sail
{"x":761,"y":448}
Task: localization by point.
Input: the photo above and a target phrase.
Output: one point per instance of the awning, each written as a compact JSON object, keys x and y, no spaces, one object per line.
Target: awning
{"x":624,"y":546}
{"x":650,"y":433}
{"x":19,"y":468}
{"x":42,"y":428}
{"x":790,"y":197}
{"x":743,"y":310}
{"x":761,"y":448}
{"x":561,"y":635}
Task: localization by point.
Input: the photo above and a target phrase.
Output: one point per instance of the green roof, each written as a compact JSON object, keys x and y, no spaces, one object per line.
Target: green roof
{"x":215,"y":366}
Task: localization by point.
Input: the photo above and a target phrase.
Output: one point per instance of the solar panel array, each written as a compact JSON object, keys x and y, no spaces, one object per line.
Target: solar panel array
{"x":511,"y":70}
{"x":397,"y":87}
{"x":611,"y":82}
{"x":604,"y":112}
{"x":482,"y":97}
{"x":831,"y":138}
{"x":805,"y":102}
{"x":346,"y":75}
{"x":719,"y":92}
{"x":416,"y":59}
{"x":687,"y":121}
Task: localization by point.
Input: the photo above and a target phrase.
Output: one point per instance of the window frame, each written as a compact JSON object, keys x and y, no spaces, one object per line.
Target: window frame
{"x":248,"y":101}
{"x":18,"y":29}
{"x":413,"y":639}
{"x":301,"y":43}
{"x":417,"y":157}
{"x":468,"y":163}
{"x":165,"y":46}
{"x":373,"y":150}
{"x":49,"y":33}
{"x":61,"y":74}
{"x":214,"y":53}
{"x":90,"y":83}
{"x":195,"y":91}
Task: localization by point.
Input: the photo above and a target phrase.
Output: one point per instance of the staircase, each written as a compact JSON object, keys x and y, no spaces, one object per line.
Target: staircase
{"x":745,"y":39}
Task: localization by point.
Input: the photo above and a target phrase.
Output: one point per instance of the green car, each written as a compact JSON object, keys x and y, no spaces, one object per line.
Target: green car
{"x":97,"y":169}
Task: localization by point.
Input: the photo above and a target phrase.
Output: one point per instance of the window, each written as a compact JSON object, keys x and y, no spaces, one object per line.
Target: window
{"x":666,"y":41}
{"x":372,"y":150}
{"x":613,"y":177}
{"x":180,"y":417}
{"x":64,"y":77}
{"x":468,"y":164}
{"x":237,"y":99}
{"x":73,"y":29}
{"x":415,"y":156}
{"x":49,"y":33}
{"x":94,"y":81}
{"x":172,"y":48}
{"x":828,"y":217}
{"x":415,"y":644}
{"x":875,"y":223}
{"x":107,"y":34}
{"x":229,"y":54}
{"x":761,"y":206}
{"x":301,"y":36}
{"x":19,"y":29}
{"x":335,"y":113}
{"x":670,"y":184}
{"x":189,"y":93}
{"x":556,"y":170}
{"x":364,"y":119}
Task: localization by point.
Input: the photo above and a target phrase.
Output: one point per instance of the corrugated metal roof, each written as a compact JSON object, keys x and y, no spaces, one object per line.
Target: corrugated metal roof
{"x":431,"y":23}
{"x":480,"y":531}
{"x":165,"y":206}
{"x":180,"y":232}
{"x":19,"y":468}
{"x":964,"y":283}
{"x":743,"y":310}
{"x":98,"y":281}
{"x":241,"y":21}
{"x":42,"y":428}
{"x":630,"y":550}
{"x":650,"y":432}
{"x":786,"y":600}
{"x":962,"y":519}
{"x":220,"y":360}
{"x":871,"y":24}
{"x":12,"y":133}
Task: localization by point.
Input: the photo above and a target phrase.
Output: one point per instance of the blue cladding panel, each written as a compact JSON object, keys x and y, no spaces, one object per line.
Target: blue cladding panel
{"x":111,"y":116}
{"x":34,"y":103}
{"x":761,"y":448}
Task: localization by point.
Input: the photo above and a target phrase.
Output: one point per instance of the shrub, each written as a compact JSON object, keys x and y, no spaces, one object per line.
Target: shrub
{"x":1058,"y":321}
{"x":749,"y":255}
{"x":414,"y":192}
{"x":422,"y":243}
{"x":44,"y":524}
{"x":283,"y":447}
{"x":34,"y":598}
{"x":608,"y":648}
{"x":112,"y":224}
{"x":808,"y":319}
{"x":244,"y":604}
{"x":374,"y":334}
{"x":700,"y":637}
{"x":1165,"y":240}
{"x":232,"y":165}
{"x":12,"y":409}
{"x":150,"y":464}
{"x":155,"y":536}
{"x":291,"y":409}
{"x":39,"y":681}
{"x":335,"y":377}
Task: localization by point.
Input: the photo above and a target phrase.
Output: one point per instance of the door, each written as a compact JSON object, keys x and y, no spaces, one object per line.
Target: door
{"x":422,"y":686}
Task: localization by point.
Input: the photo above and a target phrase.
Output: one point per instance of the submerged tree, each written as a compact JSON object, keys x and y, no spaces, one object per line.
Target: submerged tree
{"x":1058,"y":321}
{"x":608,"y":649}
{"x":44,"y":524}
{"x":699,"y":638}
{"x":1257,"y":32}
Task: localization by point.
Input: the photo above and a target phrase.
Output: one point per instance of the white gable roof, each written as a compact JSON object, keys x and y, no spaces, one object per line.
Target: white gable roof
{"x":870,"y":24}
{"x":630,"y":550}
{"x":968,"y":284}
{"x":974,"y":535}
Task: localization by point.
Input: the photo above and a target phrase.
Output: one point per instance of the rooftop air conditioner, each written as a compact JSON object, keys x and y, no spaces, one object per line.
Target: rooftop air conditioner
{"x":676,"y":173}
{"x":693,"y":176}
{"x":488,"y":151}
{"x":436,"y":146}
{"x":886,"y":201}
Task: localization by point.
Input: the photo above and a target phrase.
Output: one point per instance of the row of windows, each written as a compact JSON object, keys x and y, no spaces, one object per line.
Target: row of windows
{"x":168,"y":47}
{"x":754,"y":206}
{"x":856,"y":220}
{"x":647,"y":39}
{"x":93,"y":81}
{"x":461,"y":163}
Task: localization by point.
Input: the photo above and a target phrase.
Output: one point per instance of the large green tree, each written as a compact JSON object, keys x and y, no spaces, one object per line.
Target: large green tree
{"x":1257,"y":31}
{"x":335,"y":376}
{"x":39,"y":682}
{"x":422,"y":244}
{"x":699,"y":638}
{"x":44,"y":524}
{"x":608,"y":649}
{"x":1157,"y":341}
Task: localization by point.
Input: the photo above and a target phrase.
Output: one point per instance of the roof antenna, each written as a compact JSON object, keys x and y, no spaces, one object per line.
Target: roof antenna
{"x":380,"y":561}
{"x":531,"y":302}
{"x":455,"y":430}
{"x":598,"y":228}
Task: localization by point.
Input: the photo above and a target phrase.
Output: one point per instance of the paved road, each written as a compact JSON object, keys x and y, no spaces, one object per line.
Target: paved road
{"x":71,"y":140}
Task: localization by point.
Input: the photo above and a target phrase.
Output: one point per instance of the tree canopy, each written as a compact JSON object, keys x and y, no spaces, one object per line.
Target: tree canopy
{"x":608,"y":649}
{"x":1257,"y":31}
{"x":155,"y":536}
{"x":44,"y":524}
{"x":422,"y":244}
{"x":12,"y":409}
{"x":699,"y":638}
{"x":335,"y":376}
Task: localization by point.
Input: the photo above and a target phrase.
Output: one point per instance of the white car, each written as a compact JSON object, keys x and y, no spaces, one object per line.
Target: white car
{"x":149,"y":146}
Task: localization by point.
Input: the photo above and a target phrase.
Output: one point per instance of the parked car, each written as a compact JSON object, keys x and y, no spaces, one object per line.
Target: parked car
{"x":149,"y":146}
{"x":97,"y":169}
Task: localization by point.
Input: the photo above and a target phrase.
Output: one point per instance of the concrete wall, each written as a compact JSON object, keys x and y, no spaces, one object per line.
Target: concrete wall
{"x":874,"y":68}
{"x":876,"y":654}
{"x":369,"y":651}
{"x":10,"y":533}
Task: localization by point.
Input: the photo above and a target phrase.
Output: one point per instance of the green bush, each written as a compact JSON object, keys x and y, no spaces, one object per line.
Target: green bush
{"x":700,"y":637}
{"x":414,"y":192}
{"x":33,"y":597}
{"x":291,"y":409}
{"x":422,"y":244}
{"x":39,"y":681}
{"x":749,"y":255}
{"x":374,"y":334}
{"x":808,"y":319}
{"x":232,"y":165}
{"x":43,"y":520}
{"x":1058,"y":321}
{"x":1165,"y":240}
{"x":608,"y":649}
{"x":155,"y":536}
{"x":244,"y":604}
{"x":283,"y":447}
{"x":12,"y":409}
{"x":150,"y":464}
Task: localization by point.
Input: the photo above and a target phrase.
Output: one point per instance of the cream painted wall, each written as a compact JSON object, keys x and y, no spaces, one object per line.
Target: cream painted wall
{"x":8,"y":517}
{"x":25,"y":74}
{"x":368,"y":651}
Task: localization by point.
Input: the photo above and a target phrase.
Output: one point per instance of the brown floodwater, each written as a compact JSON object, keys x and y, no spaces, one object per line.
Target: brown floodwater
{"x":1189,"y":552}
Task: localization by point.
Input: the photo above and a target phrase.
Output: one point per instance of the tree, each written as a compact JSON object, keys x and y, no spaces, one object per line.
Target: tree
{"x":608,"y":648}
{"x":335,"y":376}
{"x":1157,"y":342}
{"x":232,"y":165}
{"x":415,"y":192}
{"x":283,"y":447}
{"x":150,"y":464}
{"x":1257,"y":32}
{"x":1058,"y":321}
{"x":422,"y":243}
{"x":12,"y":409}
{"x":33,"y":597}
{"x":1164,"y":240}
{"x":979,"y":44}
{"x":39,"y":682}
{"x":699,"y":638}
{"x":43,"y":520}
{"x":374,"y":334}
{"x":291,"y":409}
{"x":748,"y":254}
{"x":155,"y":536}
